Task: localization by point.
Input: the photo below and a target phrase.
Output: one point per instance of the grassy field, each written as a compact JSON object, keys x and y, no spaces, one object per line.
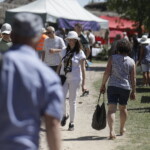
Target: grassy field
{"x":97,"y":60}
{"x":138,"y":123}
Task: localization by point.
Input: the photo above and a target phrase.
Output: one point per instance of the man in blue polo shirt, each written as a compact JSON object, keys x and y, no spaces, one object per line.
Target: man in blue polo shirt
{"x":29,"y":90}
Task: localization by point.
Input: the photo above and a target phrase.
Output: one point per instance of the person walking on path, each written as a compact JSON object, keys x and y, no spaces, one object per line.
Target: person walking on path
{"x":122,"y":78}
{"x":85,"y":44}
{"x":40,"y":44}
{"x":53,"y":45}
{"x":86,"y":48}
{"x":91,"y":38}
{"x":29,"y":90}
{"x":5,"y":41}
{"x":73,"y":66}
{"x":144,"y":59}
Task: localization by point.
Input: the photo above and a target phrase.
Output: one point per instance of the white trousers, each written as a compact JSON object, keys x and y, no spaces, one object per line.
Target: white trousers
{"x":71,"y":86}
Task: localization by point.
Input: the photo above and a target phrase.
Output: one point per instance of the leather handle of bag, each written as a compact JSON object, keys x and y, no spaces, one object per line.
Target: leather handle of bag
{"x":103,"y":97}
{"x":100,"y":97}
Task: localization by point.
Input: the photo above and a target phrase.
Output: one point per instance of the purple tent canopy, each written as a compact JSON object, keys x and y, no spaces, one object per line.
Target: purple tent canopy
{"x":69,"y":24}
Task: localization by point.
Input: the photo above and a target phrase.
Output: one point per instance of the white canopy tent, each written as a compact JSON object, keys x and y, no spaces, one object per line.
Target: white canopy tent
{"x":51,"y":10}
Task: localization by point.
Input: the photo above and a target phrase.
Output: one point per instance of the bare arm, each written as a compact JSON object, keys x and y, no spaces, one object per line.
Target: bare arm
{"x":53,"y":132}
{"x":87,"y":52}
{"x":83,"y":74}
{"x":53,"y":50}
{"x":133,"y":83}
{"x":106,"y":75}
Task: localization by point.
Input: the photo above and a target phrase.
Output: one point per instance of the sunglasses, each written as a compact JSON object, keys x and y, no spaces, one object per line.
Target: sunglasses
{"x":49,"y":32}
{"x":5,"y":34}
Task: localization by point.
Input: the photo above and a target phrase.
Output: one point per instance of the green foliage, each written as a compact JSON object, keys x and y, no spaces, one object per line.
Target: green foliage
{"x":137,"y":10}
{"x":104,"y":54}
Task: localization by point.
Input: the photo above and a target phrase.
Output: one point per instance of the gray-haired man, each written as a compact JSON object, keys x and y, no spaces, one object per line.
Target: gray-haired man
{"x":28,"y":91}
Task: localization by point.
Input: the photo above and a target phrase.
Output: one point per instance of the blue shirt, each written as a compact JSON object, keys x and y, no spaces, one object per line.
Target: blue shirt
{"x":28,"y":90}
{"x":146,"y":58}
{"x":121,"y":70}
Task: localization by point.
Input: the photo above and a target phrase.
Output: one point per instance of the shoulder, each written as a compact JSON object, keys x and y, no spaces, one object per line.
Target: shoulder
{"x":47,"y":40}
{"x":115,"y":56}
{"x":58,"y":38}
{"x":130,"y":60}
{"x":81,"y":54}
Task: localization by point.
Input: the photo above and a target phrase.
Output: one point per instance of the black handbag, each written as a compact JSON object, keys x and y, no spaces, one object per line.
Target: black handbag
{"x":99,"y":116}
{"x":62,"y":78}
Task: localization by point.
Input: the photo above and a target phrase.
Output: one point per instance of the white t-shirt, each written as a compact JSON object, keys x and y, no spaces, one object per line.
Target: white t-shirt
{"x":56,"y":43}
{"x":76,"y":73}
{"x":92,"y":38}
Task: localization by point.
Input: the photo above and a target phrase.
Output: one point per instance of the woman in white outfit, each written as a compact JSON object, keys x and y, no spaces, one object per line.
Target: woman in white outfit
{"x":73,"y":65}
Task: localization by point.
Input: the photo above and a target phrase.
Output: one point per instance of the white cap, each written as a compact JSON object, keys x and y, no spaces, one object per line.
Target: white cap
{"x":6,"y":28}
{"x":72,"y":35}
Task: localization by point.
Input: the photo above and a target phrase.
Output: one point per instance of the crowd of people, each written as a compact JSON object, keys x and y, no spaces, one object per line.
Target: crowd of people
{"x":33,"y":59}
{"x":140,"y":53}
{"x":32,"y":56}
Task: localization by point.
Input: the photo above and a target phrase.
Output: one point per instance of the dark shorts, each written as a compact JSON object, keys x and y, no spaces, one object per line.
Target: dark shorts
{"x":117,"y":95}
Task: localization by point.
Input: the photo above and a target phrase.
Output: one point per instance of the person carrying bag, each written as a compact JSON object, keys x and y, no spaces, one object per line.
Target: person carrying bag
{"x":73,"y":67}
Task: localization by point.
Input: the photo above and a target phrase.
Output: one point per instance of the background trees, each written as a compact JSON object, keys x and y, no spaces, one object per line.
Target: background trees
{"x":137,"y":10}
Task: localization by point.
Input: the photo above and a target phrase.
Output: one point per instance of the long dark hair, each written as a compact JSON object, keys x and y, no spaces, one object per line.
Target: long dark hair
{"x":76,"y":48}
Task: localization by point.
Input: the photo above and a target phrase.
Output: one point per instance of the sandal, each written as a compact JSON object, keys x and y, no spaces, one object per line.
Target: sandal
{"x":112,"y":137}
{"x":64,"y":119}
{"x":85,"y":93}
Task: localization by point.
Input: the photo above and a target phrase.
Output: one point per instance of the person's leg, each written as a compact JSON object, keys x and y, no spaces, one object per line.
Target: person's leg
{"x":65,"y":91}
{"x":73,"y":90}
{"x":111,"y":119}
{"x":148,"y":74}
{"x":123,"y":99}
{"x":144,"y":78}
{"x":112,"y":94}
{"x":123,"y":118}
{"x":144,"y":69}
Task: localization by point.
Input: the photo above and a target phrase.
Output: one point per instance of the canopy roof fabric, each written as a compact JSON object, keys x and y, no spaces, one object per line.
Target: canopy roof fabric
{"x":113,"y":33}
{"x":119,"y":23}
{"x":54,"y":9}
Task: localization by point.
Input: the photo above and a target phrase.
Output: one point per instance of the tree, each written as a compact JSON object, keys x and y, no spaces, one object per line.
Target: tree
{"x":137,"y":10}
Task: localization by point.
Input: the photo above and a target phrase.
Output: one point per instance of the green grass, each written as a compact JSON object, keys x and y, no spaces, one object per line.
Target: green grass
{"x":98,"y":61}
{"x":138,"y":123}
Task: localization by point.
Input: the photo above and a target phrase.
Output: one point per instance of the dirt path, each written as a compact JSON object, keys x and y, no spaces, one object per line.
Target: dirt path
{"x":84,"y":137}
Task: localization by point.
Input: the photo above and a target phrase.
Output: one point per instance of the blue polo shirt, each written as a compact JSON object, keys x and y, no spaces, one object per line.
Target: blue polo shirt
{"x":28,"y":90}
